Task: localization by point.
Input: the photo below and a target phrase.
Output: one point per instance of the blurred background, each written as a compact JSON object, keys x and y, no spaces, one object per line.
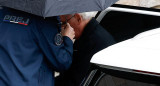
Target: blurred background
{"x":141,"y":3}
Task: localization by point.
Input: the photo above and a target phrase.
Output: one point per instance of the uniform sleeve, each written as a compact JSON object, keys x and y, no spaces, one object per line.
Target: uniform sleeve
{"x":58,"y":57}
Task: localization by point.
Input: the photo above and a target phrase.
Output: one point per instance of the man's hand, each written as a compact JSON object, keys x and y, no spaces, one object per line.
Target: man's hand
{"x":68,"y":31}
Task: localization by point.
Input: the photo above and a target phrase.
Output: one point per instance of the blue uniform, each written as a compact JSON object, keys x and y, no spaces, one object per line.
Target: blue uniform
{"x":29,"y":53}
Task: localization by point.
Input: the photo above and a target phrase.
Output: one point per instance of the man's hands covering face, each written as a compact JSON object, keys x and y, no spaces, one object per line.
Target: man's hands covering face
{"x":67,"y":30}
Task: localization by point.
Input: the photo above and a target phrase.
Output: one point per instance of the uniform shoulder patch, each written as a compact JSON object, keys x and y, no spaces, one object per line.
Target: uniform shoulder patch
{"x":58,"y":39}
{"x":16,"y":19}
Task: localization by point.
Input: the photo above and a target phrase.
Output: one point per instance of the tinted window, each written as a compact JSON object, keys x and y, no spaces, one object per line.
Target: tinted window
{"x":124,"y":25}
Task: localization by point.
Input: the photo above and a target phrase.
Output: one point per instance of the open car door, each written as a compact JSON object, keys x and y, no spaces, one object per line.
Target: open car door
{"x":135,"y":57}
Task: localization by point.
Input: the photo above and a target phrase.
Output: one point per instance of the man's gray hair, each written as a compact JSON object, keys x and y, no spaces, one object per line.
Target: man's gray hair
{"x":88,"y":15}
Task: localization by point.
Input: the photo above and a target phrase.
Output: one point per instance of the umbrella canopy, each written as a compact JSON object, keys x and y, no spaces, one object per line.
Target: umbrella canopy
{"x":47,"y":8}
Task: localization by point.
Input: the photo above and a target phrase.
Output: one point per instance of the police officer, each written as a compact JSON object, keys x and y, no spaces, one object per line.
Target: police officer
{"x":32,"y":48}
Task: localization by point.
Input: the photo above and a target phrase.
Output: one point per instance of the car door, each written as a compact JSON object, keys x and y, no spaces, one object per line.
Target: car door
{"x":125,"y":22}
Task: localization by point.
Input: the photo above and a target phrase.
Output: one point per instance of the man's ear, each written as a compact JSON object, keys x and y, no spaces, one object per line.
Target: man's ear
{"x":78,"y":18}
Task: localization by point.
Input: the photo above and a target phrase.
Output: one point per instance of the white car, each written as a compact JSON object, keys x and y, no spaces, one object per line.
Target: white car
{"x":136,"y":55}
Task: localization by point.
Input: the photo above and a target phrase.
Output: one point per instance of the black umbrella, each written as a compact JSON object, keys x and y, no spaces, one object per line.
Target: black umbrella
{"x":47,"y":8}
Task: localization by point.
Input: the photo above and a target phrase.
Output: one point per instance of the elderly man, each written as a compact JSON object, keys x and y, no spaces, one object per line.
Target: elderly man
{"x":90,"y":38}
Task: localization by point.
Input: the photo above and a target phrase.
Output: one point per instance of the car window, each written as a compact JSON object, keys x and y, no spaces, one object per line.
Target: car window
{"x":125,"y":25}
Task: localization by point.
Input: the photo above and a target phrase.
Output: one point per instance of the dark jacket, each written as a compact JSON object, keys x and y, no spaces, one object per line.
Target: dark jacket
{"x":28,"y":53}
{"x":93,"y":39}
